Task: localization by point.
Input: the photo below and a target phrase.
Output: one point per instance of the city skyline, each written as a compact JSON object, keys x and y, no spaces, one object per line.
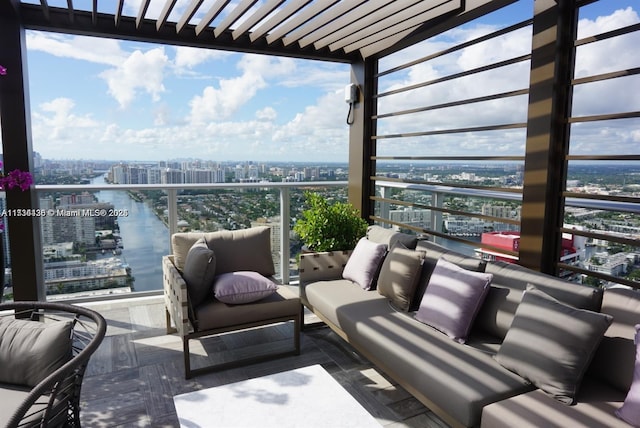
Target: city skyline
{"x":120,"y":100}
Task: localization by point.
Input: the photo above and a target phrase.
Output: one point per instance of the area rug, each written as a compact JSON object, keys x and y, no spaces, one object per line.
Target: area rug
{"x":305,"y":397}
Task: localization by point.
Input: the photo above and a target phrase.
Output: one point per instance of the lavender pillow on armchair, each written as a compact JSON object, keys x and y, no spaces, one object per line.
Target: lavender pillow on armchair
{"x":364,"y":262}
{"x":452,"y":299}
{"x":630,"y":410}
{"x":236,"y":288}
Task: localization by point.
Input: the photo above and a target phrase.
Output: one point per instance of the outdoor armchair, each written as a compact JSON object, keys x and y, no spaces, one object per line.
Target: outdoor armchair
{"x":44,"y":351}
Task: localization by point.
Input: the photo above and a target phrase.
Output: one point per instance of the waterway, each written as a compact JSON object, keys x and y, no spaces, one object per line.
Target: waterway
{"x":145,"y":238}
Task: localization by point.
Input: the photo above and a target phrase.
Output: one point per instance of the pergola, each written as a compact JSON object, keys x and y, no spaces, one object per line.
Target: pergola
{"x":357,"y":32}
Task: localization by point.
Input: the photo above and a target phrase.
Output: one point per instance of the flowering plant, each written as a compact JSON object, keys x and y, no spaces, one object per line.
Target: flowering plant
{"x":15,"y":178}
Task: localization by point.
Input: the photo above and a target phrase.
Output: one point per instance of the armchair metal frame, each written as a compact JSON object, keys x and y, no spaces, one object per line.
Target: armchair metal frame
{"x":55,"y":401}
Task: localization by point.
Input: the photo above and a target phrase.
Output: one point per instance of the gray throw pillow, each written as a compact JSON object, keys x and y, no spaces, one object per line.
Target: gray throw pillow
{"x":389,"y":237}
{"x":364,"y":262}
{"x":452,"y":299}
{"x":199,"y":271}
{"x":399,"y":275}
{"x":31,"y":350}
{"x":236,"y":288}
{"x":551,"y":343}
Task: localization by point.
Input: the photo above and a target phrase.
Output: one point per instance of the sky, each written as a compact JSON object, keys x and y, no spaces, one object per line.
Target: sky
{"x":118,"y":100}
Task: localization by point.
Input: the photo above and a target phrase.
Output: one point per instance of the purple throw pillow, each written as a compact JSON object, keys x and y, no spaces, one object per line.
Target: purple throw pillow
{"x":630,"y":410}
{"x":452,"y":299}
{"x":240,"y":287}
{"x":364,"y":262}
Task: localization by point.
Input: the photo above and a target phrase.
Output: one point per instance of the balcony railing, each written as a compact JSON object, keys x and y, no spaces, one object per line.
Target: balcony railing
{"x":172,"y":191}
{"x":436,"y":209}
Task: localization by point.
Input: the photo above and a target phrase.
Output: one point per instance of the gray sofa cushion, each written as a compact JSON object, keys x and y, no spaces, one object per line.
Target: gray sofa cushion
{"x":614,"y":360}
{"x":400,"y":274}
{"x":199,"y":271}
{"x":630,"y":410}
{"x":551,"y":343}
{"x":30,"y":350}
{"x":389,"y":237}
{"x":456,"y":378}
{"x":235,"y":247}
{"x":509,"y":282}
{"x":595,"y":407}
{"x":328,"y":296}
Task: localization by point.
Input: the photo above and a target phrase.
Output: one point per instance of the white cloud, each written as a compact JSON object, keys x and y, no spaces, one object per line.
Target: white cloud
{"x":188,"y":58}
{"x":92,"y":49}
{"x":140,"y":71}
{"x":58,"y":128}
{"x":267,"y":113}
{"x":222,"y":102}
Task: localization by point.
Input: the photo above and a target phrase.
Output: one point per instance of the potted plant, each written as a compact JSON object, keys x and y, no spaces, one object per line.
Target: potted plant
{"x":326,"y":226}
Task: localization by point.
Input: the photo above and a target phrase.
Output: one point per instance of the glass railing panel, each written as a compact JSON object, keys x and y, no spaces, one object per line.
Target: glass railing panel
{"x":107,"y":240}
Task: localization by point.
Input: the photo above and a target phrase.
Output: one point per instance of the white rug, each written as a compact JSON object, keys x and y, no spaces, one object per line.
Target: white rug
{"x":306,"y":397}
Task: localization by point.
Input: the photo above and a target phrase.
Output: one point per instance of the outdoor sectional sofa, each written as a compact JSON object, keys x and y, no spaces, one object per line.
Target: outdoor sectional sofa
{"x":469,"y":384}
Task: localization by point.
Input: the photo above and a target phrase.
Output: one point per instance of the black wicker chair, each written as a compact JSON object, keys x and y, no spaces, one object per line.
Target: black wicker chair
{"x":55,"y":400}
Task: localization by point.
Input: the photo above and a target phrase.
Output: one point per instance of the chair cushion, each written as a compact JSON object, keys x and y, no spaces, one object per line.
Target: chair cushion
{"x":362,"y":267}
{"x":11,"y":397}
{"x":30,"y":350}
{"x":199,"y":271}
{"x":236,"y":288}
{"x":452,"y":299}
{"x":215,"y":314}
{"x":231,"y":248}
{"x":551,"y":343}
{"x":399,"y":275}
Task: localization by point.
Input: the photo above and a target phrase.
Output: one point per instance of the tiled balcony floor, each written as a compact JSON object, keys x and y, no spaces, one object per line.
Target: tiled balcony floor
{"x":132,"y":378}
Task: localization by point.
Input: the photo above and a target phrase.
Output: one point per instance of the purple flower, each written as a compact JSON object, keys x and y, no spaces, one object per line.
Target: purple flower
{"x":17,"y":178}
{"x":3,"y":70}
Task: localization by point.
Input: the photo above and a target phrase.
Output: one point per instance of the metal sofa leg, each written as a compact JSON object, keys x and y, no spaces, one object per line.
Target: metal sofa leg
{"x":187,"y":358}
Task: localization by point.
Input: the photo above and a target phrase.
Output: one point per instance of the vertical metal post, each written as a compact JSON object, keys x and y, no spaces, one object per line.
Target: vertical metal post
{"x":437,"y":200}
{"x":552,"y":55}
{"x":361,"y":144}
{"x":172,"y":211}
{"x":384,"y":206}
{"x":285,"y":217}
{"x":25,"y":247}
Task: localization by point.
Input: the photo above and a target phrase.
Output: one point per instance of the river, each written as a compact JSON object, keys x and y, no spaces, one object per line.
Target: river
{"x":145,"y":238}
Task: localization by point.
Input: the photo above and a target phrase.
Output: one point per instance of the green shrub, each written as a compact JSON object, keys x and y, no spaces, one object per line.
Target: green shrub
{"x":329,"y":227}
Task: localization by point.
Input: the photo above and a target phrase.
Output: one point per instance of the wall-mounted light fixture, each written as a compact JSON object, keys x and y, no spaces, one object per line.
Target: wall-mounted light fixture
{"x":351,"y":97}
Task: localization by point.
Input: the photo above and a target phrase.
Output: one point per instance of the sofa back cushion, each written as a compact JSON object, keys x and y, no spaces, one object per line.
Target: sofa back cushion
{"x":614,"y":360}
{"x":235,"y":250}
{"x":399,"y":275}
{"x":551,"y":343}
{"x":433,"y":253}
{"x":389,"y":237}
{"x":509,"y":282}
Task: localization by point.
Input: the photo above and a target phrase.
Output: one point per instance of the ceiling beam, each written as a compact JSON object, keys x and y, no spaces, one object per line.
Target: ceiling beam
{"x":33,"y":19}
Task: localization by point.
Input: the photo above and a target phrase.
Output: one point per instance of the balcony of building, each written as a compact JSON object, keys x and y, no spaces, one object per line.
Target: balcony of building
{"x":421,"y":98}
